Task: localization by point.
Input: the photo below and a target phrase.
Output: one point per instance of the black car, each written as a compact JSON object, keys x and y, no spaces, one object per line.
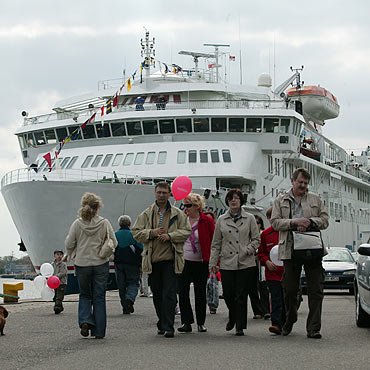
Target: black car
{"x":340,"y":269}
{"x":362,"y":287}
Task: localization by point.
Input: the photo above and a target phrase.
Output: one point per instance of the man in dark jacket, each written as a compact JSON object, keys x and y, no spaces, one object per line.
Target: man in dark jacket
{"x":127,"y":261}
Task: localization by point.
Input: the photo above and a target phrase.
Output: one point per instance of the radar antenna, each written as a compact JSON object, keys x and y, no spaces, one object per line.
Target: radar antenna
{"x":217,"y":54}
{"x":196,"y":56}
{"x":147,"y":51}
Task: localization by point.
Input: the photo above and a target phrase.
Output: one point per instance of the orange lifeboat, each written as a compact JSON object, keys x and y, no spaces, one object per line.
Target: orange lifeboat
{"x":318,"y":103}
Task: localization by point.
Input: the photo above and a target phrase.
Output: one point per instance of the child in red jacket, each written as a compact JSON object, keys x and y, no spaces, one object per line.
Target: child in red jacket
{"x":274,"y":274}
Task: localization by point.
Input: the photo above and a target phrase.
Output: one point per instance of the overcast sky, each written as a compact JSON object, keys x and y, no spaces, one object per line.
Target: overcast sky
{"x":52,"y":50}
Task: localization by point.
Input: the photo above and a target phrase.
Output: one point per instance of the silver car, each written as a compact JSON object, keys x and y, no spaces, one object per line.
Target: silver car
{"x":362,"y":287}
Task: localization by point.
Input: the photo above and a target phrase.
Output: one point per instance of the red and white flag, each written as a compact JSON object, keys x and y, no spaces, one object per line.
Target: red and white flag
{"x":47,"y":157}
{"x":211,"y":65}
{"x":91,"y":119}
{"x":232,"y":58}
{"x":102,"y":111}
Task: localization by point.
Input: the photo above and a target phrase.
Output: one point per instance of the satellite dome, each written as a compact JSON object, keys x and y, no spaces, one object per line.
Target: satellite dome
{"x":265,"y":80}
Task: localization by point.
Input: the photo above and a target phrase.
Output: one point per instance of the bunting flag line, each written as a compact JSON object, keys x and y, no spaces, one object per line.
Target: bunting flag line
{"x":232,"y":58}
{"x":115,"y":100}
{"x":102,"y":111}
{"x":128,"y":84}
{"x":75,"y":133}
{"x":91,"y":119}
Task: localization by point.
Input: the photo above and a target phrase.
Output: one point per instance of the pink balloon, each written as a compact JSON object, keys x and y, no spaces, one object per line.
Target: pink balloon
{"x":53,"y":282}
{"x":181,"y":187}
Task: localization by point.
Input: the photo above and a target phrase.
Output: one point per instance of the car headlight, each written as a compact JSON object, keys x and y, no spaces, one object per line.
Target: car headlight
{"x":349,"y":272}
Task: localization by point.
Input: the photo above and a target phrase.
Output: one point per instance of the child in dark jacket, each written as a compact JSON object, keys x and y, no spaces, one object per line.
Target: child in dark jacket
{"x":127,"y":261}
{"x":60,"y":270}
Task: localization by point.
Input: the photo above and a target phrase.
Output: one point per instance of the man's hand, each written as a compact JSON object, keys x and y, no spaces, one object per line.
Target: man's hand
{"x":270,"y":265}
{"x":301,"y":223}
{"x":158,"y":231}
{"x":163,"y":237}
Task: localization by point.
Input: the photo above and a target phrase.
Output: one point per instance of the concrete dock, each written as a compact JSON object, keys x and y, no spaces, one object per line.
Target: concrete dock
{"x":36,"y":338}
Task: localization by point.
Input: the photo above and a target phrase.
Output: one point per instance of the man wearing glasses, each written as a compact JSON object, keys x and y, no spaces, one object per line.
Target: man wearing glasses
{"x":163,"y":229}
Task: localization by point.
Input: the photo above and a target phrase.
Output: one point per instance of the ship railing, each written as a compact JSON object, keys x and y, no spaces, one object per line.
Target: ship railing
{"x":80,"y":115}
{"x":75,"y":175}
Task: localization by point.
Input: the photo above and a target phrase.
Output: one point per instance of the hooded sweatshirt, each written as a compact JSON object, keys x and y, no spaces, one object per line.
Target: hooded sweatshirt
{"x":85,"y":239}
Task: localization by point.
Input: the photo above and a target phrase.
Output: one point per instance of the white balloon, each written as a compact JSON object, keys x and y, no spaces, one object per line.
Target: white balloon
{"x":47,"y":294}
{"x":274,"y":256}
{"x":39,"y":281}
{"x":46,"y":269}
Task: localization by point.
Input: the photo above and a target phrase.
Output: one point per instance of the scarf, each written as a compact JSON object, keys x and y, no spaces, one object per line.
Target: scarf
{"x":192,"y":236}
{"x":236,"y":216}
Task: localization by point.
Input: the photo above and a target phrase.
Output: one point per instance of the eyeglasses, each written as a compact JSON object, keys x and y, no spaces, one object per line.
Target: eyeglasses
{"x":189,"y":205}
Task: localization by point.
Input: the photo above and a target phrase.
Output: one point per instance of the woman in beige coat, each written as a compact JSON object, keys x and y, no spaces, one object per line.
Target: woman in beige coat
{"x":84,"y":241}
{"x":235,"y":242}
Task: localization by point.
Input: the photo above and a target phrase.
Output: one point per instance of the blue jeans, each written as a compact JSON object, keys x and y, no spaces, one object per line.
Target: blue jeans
{"x":277,"y":303}
{"x":128,"y":277}
{"x":92,"y":281}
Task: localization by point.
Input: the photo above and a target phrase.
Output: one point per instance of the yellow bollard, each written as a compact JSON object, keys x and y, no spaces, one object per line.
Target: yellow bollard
{"x":11,"y":289}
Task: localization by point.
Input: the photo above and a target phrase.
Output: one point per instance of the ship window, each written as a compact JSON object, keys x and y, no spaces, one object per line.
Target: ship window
{"x":203,"y":156}
{"x":226,"y":155}
{"x":271,"y":125}
{"x":133,"y":128}
{"x":128,"y":159}
{"x":181,"y":156}
{"x":166,"y":126}
{"x":177,"y":98}
{"x":97,"y":160}
{"x":30,"y":140}
{"x":183,"y":125}
{"x":50,"y":137}
{"x":61,"y":133}
{"x":22,"y":142}
{"x":64,"y":162}
{"x":192,"y":156}
{"x":150,"y":157}
{"x":215,"y":158}
{"x":89,"y":132}
{"x":254,"y":125}
{"x":236,"y":124}
{"x":218,"y":124}
{"x":150,"y":127}
{"x":162,"y":157}
{"x":107,"y":160}
{"x":72,"y":162}
{"x":104,"y":131}
{"x":284,"y":125}
{"x":201,"y":125}
{"x":139,"y":158}
{"x":39,"y":137}
{"x":117,"y":160}
{"x":87,"y":161}
{"x":118,"y":128}
{"x":75,"y":132}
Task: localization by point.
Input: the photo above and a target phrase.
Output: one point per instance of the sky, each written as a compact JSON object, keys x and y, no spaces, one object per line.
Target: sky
{"x":52,"y":50}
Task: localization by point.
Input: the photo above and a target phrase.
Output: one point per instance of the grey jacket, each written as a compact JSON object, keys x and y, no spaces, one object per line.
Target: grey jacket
{"x":179,"y":230}
{"x":235,"y":244}
{"x":313,"y":209}
{"x":60,"y":271}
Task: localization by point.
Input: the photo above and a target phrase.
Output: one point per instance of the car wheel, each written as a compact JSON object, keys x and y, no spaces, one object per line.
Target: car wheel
{"x":362,"y":318}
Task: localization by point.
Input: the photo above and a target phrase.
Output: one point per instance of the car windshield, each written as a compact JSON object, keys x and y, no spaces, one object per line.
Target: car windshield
{"x":335,"y":255}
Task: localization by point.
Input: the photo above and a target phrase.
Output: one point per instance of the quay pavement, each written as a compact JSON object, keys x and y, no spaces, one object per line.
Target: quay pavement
{"x":37,"y":339}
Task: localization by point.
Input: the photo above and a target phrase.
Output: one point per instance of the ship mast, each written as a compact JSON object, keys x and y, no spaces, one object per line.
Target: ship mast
{"x":148,"y":52}
{"x":216,"y":46}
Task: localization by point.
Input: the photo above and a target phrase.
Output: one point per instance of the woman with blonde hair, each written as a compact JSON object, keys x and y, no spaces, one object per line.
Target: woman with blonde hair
{"x":84,"y":242}
{"x":197,"y":250}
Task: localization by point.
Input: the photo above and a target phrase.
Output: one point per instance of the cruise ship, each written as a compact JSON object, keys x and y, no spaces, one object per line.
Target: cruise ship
{"x":165,"y":121}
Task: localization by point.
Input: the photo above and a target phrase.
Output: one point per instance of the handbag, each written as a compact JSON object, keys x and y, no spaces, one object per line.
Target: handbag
{"x":107,"y":249}
{"x":307,"y":245}
{"x":212,"y":291}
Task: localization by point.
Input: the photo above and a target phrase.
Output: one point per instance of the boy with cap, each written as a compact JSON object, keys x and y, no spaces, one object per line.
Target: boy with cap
{"x":60,"y":270}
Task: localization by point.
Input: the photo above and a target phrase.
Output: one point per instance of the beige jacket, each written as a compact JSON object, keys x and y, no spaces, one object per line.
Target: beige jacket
{"x":84,"y":240}
{"x":179,"y":230}
{"x":313,"y":209}
{"x":235,"y":244}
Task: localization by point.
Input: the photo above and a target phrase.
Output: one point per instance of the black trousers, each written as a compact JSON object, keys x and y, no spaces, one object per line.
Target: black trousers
{"x":277,"y":303}
{"x":196,"y":273}
{"x":257,"y":307}
{"x":59,"y":296}
{"x":315,"y":290}
{"x":235,"y":286}
{"x":163,"y":283}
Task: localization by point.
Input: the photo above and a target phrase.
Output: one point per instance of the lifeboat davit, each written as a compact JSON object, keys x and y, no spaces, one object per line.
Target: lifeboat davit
{"x":318,"y":103}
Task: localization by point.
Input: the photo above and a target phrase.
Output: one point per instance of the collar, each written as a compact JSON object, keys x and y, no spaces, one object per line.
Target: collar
{"x":168,"y":206}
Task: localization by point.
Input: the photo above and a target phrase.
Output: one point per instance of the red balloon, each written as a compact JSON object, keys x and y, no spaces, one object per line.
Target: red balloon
{"x":53,"y":282}
{"x":181,"y":187}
